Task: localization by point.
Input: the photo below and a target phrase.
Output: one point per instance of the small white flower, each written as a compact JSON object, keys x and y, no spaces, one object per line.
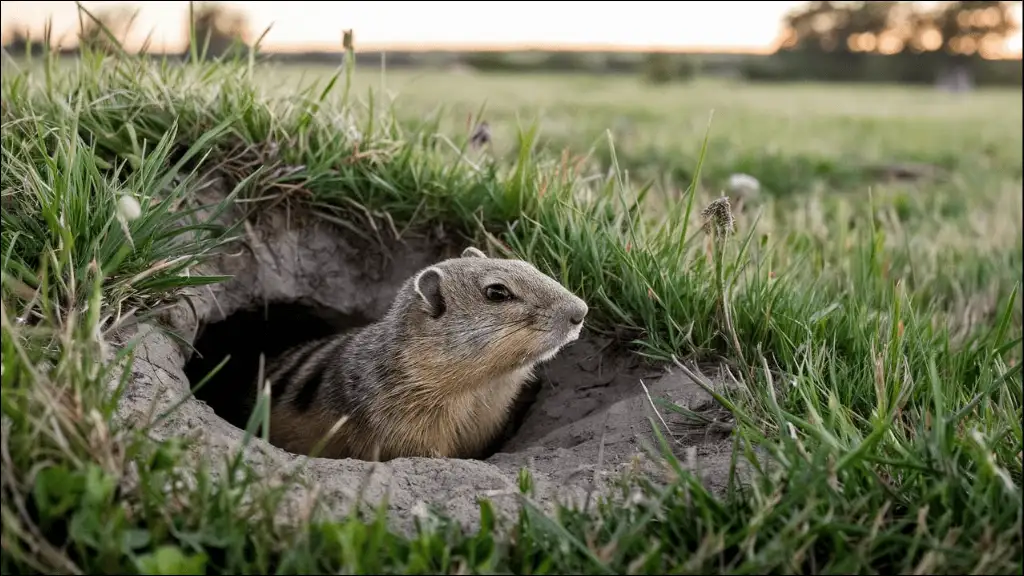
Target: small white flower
{"x":128,"y":207}
{"x":743,"y":184}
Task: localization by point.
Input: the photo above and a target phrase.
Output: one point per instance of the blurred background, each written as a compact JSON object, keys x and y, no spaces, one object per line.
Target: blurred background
{"x":955,"y":45}
{"x":806,"y":97}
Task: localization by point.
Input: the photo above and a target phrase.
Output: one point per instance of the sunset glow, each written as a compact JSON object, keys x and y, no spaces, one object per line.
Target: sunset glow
{"x":722,"y":26}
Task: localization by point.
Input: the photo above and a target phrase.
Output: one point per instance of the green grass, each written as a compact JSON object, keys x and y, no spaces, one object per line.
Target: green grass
{"x":876,"y":327}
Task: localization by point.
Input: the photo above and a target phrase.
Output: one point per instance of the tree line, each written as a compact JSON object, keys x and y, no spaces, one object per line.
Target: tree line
{"x":214,"y":30}
{"x":894,"y":41}
{"x":876,"y":41}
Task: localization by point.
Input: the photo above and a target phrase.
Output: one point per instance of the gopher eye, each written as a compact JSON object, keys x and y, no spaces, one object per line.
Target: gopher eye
{"x":497,"y":293}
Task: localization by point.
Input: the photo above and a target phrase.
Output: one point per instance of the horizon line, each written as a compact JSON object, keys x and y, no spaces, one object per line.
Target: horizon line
{"x":526,"y":47}
{"x":334,"y":48}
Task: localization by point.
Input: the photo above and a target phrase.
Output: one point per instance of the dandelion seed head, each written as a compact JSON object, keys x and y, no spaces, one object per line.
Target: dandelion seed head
{"x":718,"y":218}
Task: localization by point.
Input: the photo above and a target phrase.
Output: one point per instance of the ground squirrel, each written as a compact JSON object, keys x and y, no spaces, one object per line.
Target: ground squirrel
{"x":436,"y":376}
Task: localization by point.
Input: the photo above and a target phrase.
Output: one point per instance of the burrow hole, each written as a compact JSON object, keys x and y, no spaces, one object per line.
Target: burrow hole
{"x":271,"y":329}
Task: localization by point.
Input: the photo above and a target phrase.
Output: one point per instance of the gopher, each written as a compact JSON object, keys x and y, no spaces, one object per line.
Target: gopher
{"x":436,"y":376}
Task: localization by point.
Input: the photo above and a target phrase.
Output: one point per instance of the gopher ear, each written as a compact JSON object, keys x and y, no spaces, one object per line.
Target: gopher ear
{"x":428,"y":287}
{"x":473,"y":253}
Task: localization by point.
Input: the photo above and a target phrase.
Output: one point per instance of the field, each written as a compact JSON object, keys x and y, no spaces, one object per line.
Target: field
{"x":863,"y":318}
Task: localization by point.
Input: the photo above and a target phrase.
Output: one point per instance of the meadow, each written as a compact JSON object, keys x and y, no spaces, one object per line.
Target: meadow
{"x":868,"y":302}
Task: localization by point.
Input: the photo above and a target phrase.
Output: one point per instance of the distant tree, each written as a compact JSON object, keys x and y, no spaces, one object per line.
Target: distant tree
{"x":658,"y":68}
{"x":18,"y":39}
{"x":958,"y":28}
{"x":816,"y":39}
{"x":977,"y":28}
{"x":841,"y":27}
{"x":661,"y":68}
{"x":222,"y":30}
{"x":836,"y":39}
{"x":810,"y":27}
{"x":116,"y":20}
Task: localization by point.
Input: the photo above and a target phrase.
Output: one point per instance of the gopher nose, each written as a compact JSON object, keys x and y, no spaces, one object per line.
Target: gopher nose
{"x":577,"y":312}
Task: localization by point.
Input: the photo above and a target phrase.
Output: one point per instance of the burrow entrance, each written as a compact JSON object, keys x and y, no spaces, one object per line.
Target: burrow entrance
{"x":295,"y":276}
{"x":241,"y":338}
{"x":227,"y":356}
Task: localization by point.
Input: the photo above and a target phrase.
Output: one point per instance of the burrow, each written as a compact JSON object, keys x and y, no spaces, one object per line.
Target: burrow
{"x":295,"y":275}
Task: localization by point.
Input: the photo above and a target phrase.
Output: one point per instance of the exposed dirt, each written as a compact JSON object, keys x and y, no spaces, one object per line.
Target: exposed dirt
{"x":587,"y":418}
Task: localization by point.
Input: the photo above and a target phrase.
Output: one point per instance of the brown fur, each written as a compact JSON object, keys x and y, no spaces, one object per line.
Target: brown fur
{"x":436,"y":376}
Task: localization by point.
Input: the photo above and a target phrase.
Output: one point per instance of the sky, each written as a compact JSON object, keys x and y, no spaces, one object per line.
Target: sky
{"x":725,"y":25}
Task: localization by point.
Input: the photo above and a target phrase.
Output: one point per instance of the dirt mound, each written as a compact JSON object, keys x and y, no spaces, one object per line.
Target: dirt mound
{"x":586,"y":419}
